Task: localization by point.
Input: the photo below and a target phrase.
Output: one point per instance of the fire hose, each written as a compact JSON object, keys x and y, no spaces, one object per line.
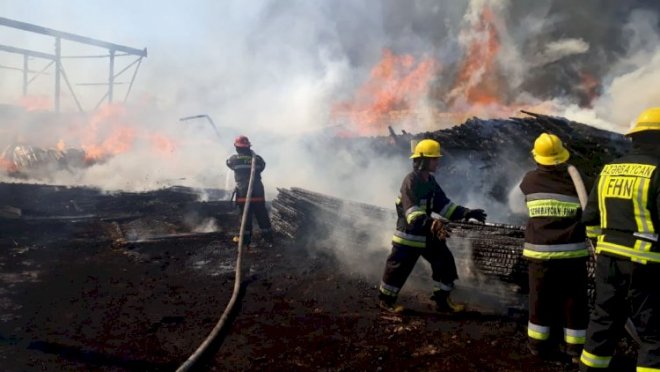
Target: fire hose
{"x":582,"y":195}
{"x":194,"y":358}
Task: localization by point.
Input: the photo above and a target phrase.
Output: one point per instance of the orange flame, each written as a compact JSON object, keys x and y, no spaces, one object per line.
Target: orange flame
{"x":395,"y":88}
{"x":589,"y":86}
{"x":477,"y":80}
{"x":397,"y":84}
{"x":60,"y":145}
{"x":108,"y":133}
{"x":7,"y":166}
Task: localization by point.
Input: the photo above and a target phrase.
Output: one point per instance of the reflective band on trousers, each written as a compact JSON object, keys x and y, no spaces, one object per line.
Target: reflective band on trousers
{"x":552,"y":208}
{"x":594,"y":361}
{"x":556,"y":247}
{"x":575,"y":336}
{"x":410,"y":240}
{"x":389,"y":290}
{"x":254,"y":199}
{"x":538,"y":332}
{"x":640,"y":253}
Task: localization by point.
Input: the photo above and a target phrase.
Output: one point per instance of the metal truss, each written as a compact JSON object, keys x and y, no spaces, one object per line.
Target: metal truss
{"x":114,"y":50}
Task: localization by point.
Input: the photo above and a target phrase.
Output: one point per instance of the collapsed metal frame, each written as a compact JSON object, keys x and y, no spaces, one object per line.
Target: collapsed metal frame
{"x":56,"y":59}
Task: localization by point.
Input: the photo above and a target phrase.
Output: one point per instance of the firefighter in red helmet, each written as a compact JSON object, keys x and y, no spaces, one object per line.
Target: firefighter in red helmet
{"x":241,"y":163}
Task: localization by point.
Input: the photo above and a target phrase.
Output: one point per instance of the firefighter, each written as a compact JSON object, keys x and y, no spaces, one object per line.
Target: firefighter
{"x":556,"y":250}
{"x":622,"y":214}
{"x":419,"y":233}
{"x":241,"y":163}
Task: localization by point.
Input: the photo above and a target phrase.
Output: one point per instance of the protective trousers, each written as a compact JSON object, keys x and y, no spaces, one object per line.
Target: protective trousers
{"x":558,"y":307}
{"x":258,"y":210}
{"x":624,"y":289}
{"x":402,"y":260}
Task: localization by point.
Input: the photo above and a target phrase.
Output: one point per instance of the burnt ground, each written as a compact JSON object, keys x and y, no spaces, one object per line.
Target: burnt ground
{"x":75,"y":298}
{"x":88,"y":306}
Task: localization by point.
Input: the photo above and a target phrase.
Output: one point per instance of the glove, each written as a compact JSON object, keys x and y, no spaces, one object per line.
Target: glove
{"x":440,"y":230}
{"x":478,"y":214}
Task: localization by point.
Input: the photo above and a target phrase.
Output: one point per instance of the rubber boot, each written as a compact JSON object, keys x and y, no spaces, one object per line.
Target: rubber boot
{"x":388,"y":304}
{"x":444,"y":304}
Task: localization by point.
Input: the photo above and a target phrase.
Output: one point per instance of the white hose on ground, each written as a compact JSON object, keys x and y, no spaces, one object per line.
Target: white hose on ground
{"x":190,"y":362}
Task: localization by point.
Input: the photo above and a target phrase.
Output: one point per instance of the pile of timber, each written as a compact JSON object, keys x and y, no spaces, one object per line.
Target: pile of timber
{"x":488,"y":157}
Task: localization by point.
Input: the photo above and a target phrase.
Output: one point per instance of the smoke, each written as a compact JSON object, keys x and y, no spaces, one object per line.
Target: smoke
{"x":556,"y":50}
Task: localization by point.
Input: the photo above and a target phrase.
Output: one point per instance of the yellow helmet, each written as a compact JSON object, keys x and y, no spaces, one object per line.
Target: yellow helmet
{"x":648,"y":120}
{"x":548,"y":150}
{"x":427,"y":148}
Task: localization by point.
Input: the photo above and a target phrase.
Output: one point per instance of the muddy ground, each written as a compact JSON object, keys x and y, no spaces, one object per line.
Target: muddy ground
{"x":77,"y":301}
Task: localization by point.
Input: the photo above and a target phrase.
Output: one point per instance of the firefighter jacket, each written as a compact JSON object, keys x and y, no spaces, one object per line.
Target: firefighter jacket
{"x":624,"y":205}
{"x":417,"y":200}
{"x":554,"y":229}
{"x":241,"y":164}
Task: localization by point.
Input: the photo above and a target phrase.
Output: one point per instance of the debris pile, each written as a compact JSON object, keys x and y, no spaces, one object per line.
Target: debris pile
{"x":54,"y":213}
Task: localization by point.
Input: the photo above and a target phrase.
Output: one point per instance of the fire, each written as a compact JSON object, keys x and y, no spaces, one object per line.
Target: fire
{"x":403,"y":91}
{"x":7,"y":166}
{"x":108,"y":133}
{"x":589,"y":87}
{"x":35,"y":103}
{"x":60,"y":145}
{"x":477,"y":82}
{"x":394,"y":90}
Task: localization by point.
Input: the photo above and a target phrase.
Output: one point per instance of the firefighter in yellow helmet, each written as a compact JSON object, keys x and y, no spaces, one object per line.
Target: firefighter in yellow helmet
{"x":556,"y":251}
{"x":623,"y":215}
{"x":420,"y":232}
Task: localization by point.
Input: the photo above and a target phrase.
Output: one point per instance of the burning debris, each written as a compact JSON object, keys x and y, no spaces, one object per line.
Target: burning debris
{"x":29,"y":162}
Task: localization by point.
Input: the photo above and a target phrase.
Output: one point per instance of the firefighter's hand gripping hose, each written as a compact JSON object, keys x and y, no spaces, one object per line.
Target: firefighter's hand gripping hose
{"x":194,"y":358}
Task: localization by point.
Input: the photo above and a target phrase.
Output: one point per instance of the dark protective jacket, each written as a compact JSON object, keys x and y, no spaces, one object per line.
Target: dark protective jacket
{"x":554,"y":229}
{"x":624,"y":206}
{"x":417,"y":200}
{"x":241,"y":163}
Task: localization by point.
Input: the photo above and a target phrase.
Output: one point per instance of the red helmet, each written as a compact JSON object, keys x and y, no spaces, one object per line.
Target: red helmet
{"x":242,"y":141}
